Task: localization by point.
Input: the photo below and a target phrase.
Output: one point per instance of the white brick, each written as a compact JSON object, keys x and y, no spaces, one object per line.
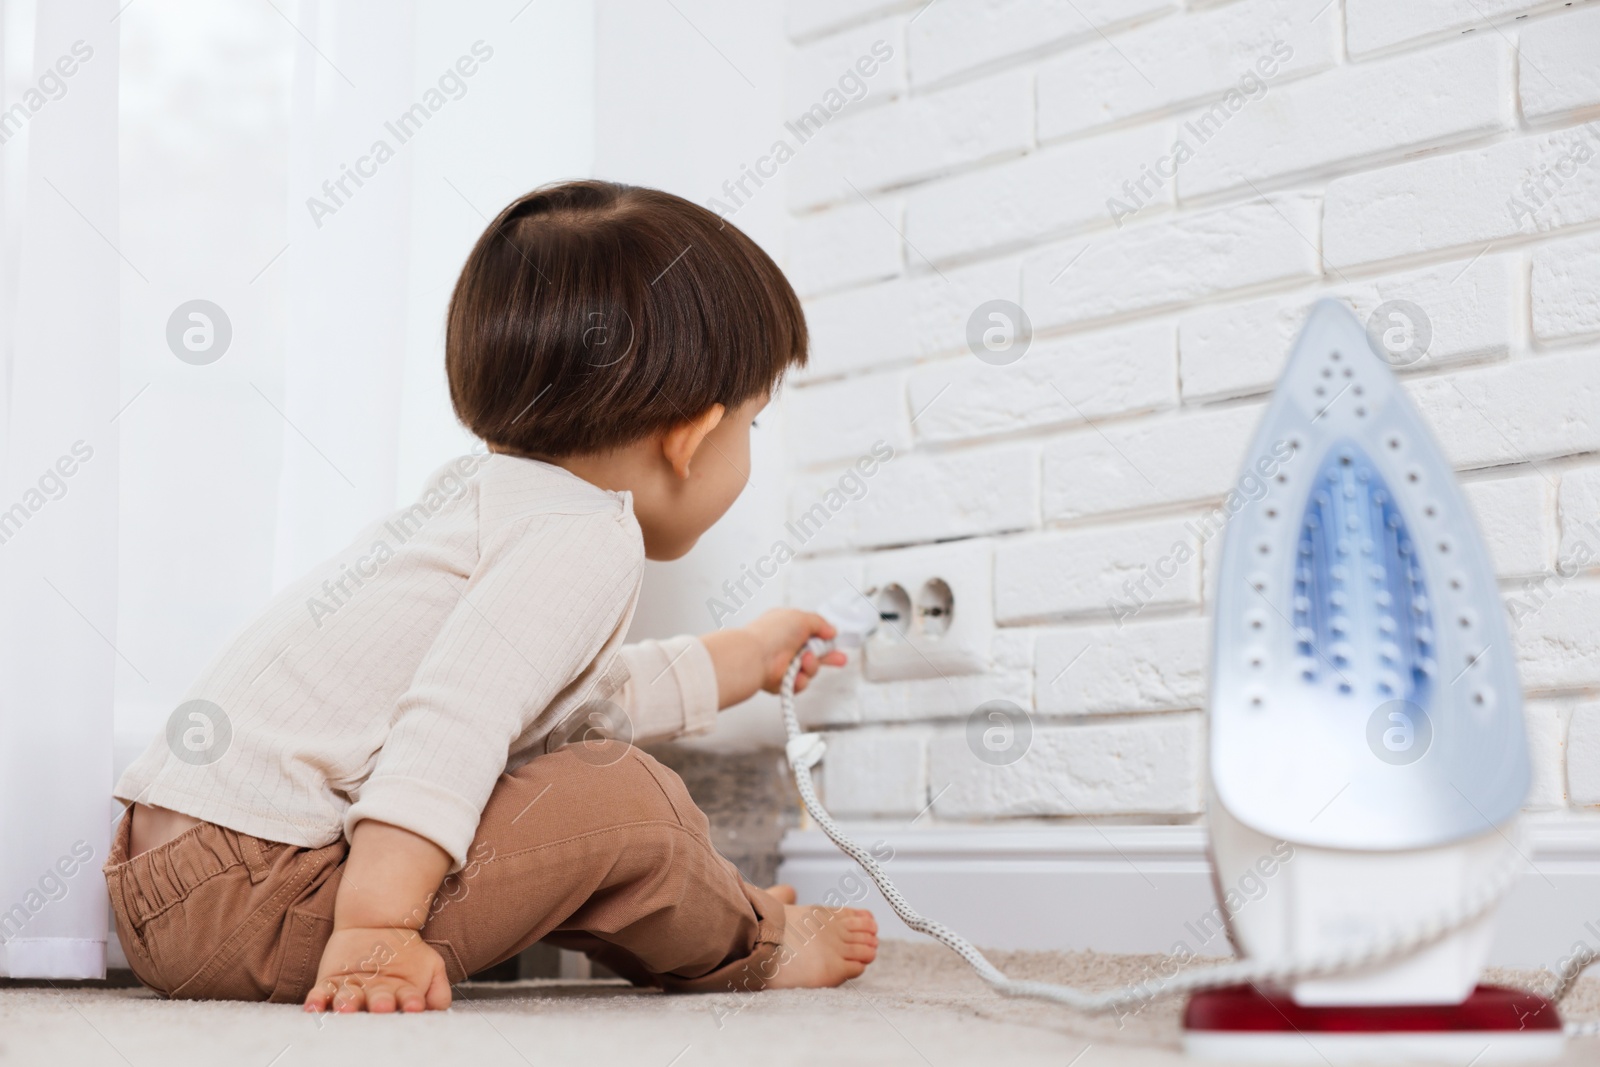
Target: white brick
{"x":1566,"y":279}
{"x":1559,"y":72}
{"x":1192,"y":457}
{"x":1177,"y":60}
{"x":1517,"y":412}
{"x":866,"y":64}
{"x":810,"y":18}
{"x":1451,"y":93}
{"x":876,"y":772}
{"x":902,"y":320}
{"x":1013,"y":650}
{"x":1547,"y":725}
{"x":832,"y":699}
{"x":1159,"y":665}
{"x":1143,"y":766}
{"x":918,"y":137}
{"x":1011,"y":678}
{"x":956,"y":35}
{"x":958,"y":694}
{"x":1055,"y":383}
{"x":1580,"y":518}
{"x":1375,"y":24}
{"x":1044,"y":194}
{"x":1169,"y":263}
{"x":844,"y":419}
{"x":1464,"y":199}
{"x":1556,"y":627}
{"x":1240,"y":349}
{"x":918,"y":498}
{"x":1212,"y":529}
{"x":1518,"y":519}
{"x":1583,"y":755}
{"x":1082,"y":572}
{"x":811,"y":582}
{"x":851,"y":244}
{"x":1472,"y":305}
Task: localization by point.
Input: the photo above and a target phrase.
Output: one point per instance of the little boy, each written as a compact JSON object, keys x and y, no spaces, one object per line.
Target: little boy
{"x":394,"y":809}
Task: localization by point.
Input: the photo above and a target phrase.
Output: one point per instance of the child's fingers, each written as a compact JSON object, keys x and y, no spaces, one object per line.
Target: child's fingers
{"x":818,"y":626}
{"x":318,"y":998}
{"x":380,"y":999}
{"x":835,"y":659}
{"x":438,"y":995}
{"x":350,"y":997}
{"x":409,"y":998}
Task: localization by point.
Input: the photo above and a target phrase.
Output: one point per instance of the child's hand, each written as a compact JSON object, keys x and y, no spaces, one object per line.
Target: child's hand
{"x":757,"y":656}
{"x":380,"y":970}
{"x":780,"y":634}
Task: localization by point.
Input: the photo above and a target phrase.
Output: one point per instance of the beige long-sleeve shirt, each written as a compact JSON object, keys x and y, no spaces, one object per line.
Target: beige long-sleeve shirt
{"x":450,"y":642}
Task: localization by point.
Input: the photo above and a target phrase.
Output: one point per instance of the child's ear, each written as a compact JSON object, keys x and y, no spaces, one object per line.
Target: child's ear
{"x":682,"y":441}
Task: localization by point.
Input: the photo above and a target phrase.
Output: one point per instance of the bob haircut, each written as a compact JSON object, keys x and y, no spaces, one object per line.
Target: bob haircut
{"x":592,"y":314}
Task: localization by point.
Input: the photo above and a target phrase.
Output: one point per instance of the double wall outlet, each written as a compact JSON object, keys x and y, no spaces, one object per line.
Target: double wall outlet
{"x":935,"y":608}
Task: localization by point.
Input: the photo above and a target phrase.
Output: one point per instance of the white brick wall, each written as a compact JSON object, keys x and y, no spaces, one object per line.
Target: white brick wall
{"x":1445,"y":153}
{"x":1232,"y":350}
{"x":1061,"y":383}
{"x":1174,"y":61}
{"x":1377,"y":24}
{"x":1055,"y":190}
{"x":1452,"y":93}
{"x":1517,"y":517}
{"x":1566,"y":275}
{"x":948,"y":39}
{"x":1464,"y":200}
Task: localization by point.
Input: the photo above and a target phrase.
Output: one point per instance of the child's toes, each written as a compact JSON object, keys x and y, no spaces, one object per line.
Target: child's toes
{"x":857,"y":919}
{"x":859,"y":952}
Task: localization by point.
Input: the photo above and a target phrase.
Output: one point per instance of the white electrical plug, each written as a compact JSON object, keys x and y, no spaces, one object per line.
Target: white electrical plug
{"x":852,"y":615}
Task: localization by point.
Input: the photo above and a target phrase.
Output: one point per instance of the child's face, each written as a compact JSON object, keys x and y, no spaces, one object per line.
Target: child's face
{"x":717,"y":476}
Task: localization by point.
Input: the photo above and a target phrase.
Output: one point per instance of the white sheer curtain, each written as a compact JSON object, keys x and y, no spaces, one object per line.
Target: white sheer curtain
{"x":58,"y":485}
{"x":312,"y":372}
{"x":347,"y":263}
{"x":214,"y":481}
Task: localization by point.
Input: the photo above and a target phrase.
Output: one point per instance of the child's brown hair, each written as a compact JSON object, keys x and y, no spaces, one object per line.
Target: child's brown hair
{"x":591,"y":314}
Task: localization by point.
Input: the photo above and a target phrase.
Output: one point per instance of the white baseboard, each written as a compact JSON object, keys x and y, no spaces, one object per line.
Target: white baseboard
{"x":1140,"y":889}
{"x":53,"y":957}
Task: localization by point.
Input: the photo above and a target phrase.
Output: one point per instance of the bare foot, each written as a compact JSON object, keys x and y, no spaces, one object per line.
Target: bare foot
{"x":783,"y":894}
{"x":822,"y":946}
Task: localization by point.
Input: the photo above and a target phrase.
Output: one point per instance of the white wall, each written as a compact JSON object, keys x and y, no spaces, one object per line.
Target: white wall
{"x":1379,"y":160}
{"x":687,"y":94}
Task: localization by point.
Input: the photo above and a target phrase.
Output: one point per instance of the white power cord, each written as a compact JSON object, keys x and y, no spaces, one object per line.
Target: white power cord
{"x":806,"y":749}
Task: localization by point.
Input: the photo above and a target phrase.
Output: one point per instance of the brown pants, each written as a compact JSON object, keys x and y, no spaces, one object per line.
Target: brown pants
{"x":595,"y":847}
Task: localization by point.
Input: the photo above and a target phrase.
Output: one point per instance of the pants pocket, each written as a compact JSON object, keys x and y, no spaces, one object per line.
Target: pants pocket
{"x":305,"y":935}
{"x":137,"y":953}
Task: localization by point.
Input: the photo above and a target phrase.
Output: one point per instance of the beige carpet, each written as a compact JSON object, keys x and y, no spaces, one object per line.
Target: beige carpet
{"x":917,"y":1006}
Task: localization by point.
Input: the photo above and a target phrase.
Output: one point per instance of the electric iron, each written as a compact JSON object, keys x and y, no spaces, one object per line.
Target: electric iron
{"x":1368,"y":755}
{"x":1365,"y":709}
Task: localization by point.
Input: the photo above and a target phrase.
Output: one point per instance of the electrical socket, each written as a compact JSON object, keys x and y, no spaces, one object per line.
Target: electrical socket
{"x":936,"y":606}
